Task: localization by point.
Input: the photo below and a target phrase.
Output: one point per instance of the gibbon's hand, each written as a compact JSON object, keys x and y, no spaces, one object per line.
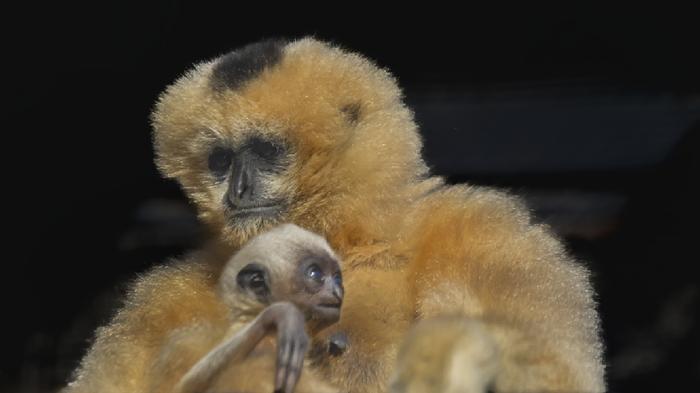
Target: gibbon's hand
{"x":292,"y":344}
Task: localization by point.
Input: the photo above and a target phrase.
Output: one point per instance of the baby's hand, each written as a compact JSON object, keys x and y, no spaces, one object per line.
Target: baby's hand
{"x":292,"y":344}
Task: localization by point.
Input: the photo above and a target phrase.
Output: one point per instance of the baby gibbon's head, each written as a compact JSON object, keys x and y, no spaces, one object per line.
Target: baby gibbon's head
{"x":287,"y":263}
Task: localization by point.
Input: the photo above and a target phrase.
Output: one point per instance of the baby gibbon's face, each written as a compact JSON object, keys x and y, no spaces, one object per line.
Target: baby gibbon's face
{"x":313,"y":283}
{"x":289,"y":264}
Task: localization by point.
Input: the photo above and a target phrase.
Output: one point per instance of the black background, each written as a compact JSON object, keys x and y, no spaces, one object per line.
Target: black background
{"x":88,"y":210}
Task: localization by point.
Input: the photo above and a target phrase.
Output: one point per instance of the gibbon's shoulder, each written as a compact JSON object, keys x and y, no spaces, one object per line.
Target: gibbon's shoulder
{"x":467,"y":201}
{"x":174,"y":293}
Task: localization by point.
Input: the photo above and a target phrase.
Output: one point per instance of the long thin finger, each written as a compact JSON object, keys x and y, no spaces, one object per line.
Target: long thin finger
{"x":295,"y":366}
{"x":290,"y":369}
{"x":283,"y":350}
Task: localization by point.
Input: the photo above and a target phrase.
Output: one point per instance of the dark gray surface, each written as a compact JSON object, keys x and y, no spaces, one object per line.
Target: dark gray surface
{"x":514,"y":132}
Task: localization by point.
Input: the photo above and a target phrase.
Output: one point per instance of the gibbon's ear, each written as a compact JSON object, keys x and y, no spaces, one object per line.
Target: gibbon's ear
{"x":352,"y":112}
{"x":255,"y":279}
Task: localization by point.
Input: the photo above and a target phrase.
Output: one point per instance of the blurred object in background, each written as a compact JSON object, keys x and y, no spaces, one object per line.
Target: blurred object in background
{"x":649,"y":285}
{"x":550,"y":130}
{"x":573,"y":153}
{"x":162,"y":223}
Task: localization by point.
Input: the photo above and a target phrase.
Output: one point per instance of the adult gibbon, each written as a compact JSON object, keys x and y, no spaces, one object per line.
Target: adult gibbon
{"x":457,"y":278}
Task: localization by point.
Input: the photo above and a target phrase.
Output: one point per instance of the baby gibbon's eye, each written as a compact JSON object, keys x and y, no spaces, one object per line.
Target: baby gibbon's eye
{"x":256,"y":280}
{"x":314,"y":272}
{"x":220,"y":160}
{"x":338,"y":280}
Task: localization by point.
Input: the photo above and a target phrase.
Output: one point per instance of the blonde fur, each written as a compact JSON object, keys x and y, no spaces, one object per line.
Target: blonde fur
{"x":467,"y":260}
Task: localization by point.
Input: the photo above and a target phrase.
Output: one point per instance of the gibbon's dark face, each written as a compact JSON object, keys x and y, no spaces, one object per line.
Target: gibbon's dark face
{"x":276,"y":131}
{"x":243,"y":171}
{"x":247,"y":166}
{"x":314,"y":284}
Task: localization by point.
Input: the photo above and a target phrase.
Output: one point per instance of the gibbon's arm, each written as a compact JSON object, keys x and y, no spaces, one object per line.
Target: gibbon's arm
{"x":292,"y":343}
{"x":508,"y":294}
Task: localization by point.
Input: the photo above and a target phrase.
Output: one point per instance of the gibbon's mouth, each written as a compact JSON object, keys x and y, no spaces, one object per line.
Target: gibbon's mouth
{"x":270,"y":210}
{"x":328,"y":311}
{"x":329,"y":305}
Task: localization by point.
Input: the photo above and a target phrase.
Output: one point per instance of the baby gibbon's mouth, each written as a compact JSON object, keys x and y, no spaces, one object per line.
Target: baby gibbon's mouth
{"x":328,"y":310}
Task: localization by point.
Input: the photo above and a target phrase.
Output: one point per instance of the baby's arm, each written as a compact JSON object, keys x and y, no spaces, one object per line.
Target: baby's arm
{"x":292,"y":343}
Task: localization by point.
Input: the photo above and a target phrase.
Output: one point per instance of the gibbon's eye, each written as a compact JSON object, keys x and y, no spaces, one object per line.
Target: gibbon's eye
{"x":253,"y":277}
{"x":338,"y":279}
{"x":220,"y":160}
{"x":256,"y":280}
{"x":265,"y":149}
{"x":314,"y":272}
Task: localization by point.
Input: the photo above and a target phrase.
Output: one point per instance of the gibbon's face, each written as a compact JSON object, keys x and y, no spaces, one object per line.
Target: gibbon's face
{"x":287,"y":264}
{"x":242,"y":174}
{"x":277,"y":131}
{"x":315,"y":286}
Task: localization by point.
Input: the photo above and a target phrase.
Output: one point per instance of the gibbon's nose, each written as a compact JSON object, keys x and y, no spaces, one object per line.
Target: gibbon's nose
{"x":240,"y":188}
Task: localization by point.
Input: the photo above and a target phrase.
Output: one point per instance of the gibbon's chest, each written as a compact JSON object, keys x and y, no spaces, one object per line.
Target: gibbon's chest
{"x":377,"y":311}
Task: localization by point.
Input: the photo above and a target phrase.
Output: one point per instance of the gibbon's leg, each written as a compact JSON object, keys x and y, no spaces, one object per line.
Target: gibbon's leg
{"x":292,"y":343}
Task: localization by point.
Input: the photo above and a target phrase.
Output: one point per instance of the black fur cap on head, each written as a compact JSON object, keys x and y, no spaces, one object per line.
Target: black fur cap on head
{"x":237,"y":67}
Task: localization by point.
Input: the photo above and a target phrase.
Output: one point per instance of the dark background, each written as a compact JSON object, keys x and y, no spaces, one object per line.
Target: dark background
{"x":592,"y":115}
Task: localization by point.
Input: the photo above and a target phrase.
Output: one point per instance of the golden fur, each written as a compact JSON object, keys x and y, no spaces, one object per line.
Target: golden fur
{"x":415,"y":251}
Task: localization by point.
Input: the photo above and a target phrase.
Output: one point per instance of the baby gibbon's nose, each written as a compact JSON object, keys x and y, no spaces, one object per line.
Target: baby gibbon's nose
{"x":332,"y":295}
